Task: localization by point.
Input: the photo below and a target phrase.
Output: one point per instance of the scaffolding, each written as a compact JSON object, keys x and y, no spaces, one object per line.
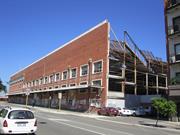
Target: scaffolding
{"x":135,"y":71}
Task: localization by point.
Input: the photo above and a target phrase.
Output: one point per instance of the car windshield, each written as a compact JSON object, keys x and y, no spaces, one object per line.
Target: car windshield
{"x":21,"y":114}
{"x":3,"y":113}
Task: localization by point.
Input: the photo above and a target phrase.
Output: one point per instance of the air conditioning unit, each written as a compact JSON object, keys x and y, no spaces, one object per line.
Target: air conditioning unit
{"x":172,"y":59}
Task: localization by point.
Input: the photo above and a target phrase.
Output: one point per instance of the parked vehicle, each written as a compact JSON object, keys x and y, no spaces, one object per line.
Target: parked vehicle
{"x":17,"y":121}
{"x":138,"y":111}
{"x":109,"y":111}
{"x":125,"y":112}
{"x":148,"y":110}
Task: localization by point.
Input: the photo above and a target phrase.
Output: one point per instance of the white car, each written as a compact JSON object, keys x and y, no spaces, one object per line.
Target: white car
{"x":125,"y":112}
{"x":17,"y":121}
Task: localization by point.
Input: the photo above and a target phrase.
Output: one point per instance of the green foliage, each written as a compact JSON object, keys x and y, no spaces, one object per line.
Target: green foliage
{"x":164,"y":107}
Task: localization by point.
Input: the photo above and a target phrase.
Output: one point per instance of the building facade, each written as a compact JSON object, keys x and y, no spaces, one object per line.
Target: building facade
{"x":172,"y":25}
{"x":91,"y":70}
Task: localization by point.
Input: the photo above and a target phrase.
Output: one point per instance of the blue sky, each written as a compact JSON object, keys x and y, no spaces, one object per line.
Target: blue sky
{"x":29,"y":29}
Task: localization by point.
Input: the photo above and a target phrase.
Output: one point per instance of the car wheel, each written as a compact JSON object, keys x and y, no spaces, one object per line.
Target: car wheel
{"x":99,"y":113}
{"x":134,"y":114}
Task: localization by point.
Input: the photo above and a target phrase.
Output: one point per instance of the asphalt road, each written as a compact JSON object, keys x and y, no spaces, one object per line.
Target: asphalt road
{"x":62,"y":124}
{"x":57,"y":123}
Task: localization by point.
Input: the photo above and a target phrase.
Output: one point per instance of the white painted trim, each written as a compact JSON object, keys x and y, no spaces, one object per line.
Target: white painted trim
{"x":83,"y":34}
{"x":59,"y":89}
{"x":115,"y":76}
{"x":81,"y":70}
{"x":101,"y":60}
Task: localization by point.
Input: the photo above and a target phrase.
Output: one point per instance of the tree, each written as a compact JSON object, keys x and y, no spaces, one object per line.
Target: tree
{"x":164,"y":107}
{"x":2,"y":87}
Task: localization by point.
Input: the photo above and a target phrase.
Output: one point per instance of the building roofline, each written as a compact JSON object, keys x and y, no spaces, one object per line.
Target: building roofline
{"x":67,"y":43}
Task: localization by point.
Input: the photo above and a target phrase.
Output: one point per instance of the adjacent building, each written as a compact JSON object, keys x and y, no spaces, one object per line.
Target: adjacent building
{"x":172,"y":25}
{"x":93,"y":69}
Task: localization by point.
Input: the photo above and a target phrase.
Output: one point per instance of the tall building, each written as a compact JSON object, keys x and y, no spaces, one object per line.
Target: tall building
{"x":93,"y":69}
{"x":172,"y":25}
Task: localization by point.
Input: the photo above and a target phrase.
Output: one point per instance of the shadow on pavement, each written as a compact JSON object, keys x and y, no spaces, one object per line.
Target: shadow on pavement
{"x":151,"y":125}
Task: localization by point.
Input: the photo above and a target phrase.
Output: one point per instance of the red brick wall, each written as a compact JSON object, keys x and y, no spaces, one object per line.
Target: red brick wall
{"x":92,"y":45}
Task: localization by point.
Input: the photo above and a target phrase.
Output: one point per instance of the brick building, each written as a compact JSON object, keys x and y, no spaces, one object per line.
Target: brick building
{"x":172,"y":25}
{"x":89,"y":70}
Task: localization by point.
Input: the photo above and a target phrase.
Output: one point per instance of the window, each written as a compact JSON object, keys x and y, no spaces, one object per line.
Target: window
{"x":51,"y":78}
{"x":57,"y":77}
{"x":96,"y":83}
{"x":56,"y":87}
{"x":178,"y":77}
{"x":64,"y":85}
{"x":41,"y":81}
{"x":46,"y":80}
{"x":176,"y":24}
{"x":3,"y":113}
{"x":178,"y":74}
{"x":21,"y":114}
{"x":73,"y":73}
{"x":97,"y":67}
{"x":37,"y":82}
{"x":177,"y":51}
{"x":33,"y":83}
{"x":83,"y":83}
{"x":72,"y":85}
{"x":84,"y":70}
{"x":65,"y":75}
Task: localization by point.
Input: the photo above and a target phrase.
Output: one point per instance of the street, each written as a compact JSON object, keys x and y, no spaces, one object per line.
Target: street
{"x":65,"y":124}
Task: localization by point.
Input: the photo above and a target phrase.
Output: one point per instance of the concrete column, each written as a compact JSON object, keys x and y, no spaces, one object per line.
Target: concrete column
{"x":147,"y":88}
{"x":166,"y":82}
{"x":123,"y":87}
{"x":157,"y":85}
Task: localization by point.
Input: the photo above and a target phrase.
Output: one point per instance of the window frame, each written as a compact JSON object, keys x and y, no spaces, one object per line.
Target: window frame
{"x":55,"y":79}
{"x":71,"y":73}
{"x":63,"y":75}
{"x":175,"y":18}
{"x":93,"y":66}
{"x":51,"y":81}
{"x":87,"y":70}
{"x":177,"y":55}
{"x":46,"y":80}
{"x":97,"y":80}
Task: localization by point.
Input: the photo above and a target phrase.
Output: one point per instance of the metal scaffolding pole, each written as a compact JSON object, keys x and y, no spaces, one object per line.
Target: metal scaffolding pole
{"x":147,"y":88}
{"x":157,"y":84}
